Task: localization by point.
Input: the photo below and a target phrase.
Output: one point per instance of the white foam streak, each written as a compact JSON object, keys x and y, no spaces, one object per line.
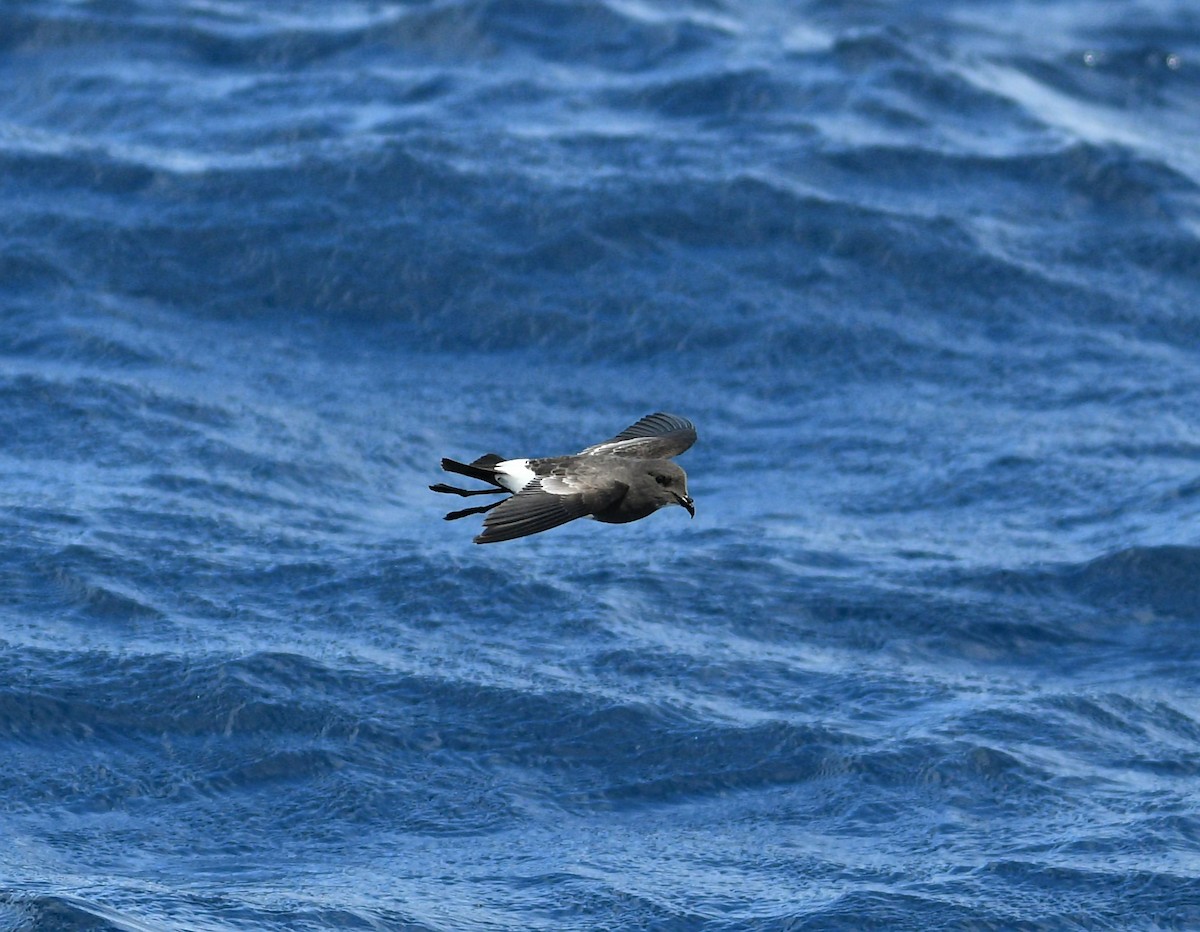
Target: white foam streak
{"x":1090,"y":122}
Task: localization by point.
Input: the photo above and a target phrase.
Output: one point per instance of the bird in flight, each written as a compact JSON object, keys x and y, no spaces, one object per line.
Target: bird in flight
{"x":620,"y":480}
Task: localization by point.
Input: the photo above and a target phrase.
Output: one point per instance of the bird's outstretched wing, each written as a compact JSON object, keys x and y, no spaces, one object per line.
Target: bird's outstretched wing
{"x":539,"y":507}
{"x":656,"y":436}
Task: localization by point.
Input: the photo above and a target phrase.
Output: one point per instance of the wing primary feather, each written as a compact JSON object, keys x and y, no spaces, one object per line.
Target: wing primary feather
{"x":530,"y":511}
{"x":658,"y":435}
{"x":653,"y":425}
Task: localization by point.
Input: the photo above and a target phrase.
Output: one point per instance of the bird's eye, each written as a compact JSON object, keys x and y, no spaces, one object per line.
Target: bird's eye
{"x":663,"y":480}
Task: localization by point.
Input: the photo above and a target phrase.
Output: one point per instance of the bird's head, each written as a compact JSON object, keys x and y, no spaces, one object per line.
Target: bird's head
{"x":672,"y":486}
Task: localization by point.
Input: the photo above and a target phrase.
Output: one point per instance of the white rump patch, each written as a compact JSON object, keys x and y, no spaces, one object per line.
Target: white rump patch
{"x":514,"y":475}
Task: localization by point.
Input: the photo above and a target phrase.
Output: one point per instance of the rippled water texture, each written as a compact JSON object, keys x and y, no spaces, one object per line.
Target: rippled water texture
{"x":924,"y":275}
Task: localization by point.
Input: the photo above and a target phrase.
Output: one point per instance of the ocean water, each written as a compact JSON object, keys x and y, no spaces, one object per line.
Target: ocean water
{"x":927,"y":279}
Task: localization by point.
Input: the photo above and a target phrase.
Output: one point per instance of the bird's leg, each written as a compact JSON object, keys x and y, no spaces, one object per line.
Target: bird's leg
{"x":449,"y":489}
{"x":455,"y":515}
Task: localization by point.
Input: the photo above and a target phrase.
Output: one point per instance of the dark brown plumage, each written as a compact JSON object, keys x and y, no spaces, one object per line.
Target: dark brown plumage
{"x":620,"y":480}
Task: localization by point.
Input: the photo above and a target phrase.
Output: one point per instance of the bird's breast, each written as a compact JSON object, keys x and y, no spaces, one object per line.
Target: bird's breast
{"x":620,"y":513}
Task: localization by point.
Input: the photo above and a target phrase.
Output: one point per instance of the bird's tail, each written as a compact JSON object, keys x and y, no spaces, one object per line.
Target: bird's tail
{"x":483,"y":469}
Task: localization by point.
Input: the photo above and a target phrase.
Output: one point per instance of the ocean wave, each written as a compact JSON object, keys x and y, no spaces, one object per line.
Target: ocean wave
{"x":40,"y":912}
{"x":921,"y":276}
{"x":1141,"y":582}
{"x":1145,"y":581}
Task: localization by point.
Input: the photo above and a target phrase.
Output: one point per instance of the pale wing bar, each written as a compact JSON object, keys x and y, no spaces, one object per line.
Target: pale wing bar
{"x":656,"y":436}
{"x":530,"y":511}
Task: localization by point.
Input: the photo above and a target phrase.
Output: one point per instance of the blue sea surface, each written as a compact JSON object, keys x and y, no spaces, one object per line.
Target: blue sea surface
{"x":925,"y":276}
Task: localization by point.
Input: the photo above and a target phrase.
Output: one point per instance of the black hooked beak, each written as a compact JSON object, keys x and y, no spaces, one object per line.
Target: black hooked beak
{"x":686,"y":502}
